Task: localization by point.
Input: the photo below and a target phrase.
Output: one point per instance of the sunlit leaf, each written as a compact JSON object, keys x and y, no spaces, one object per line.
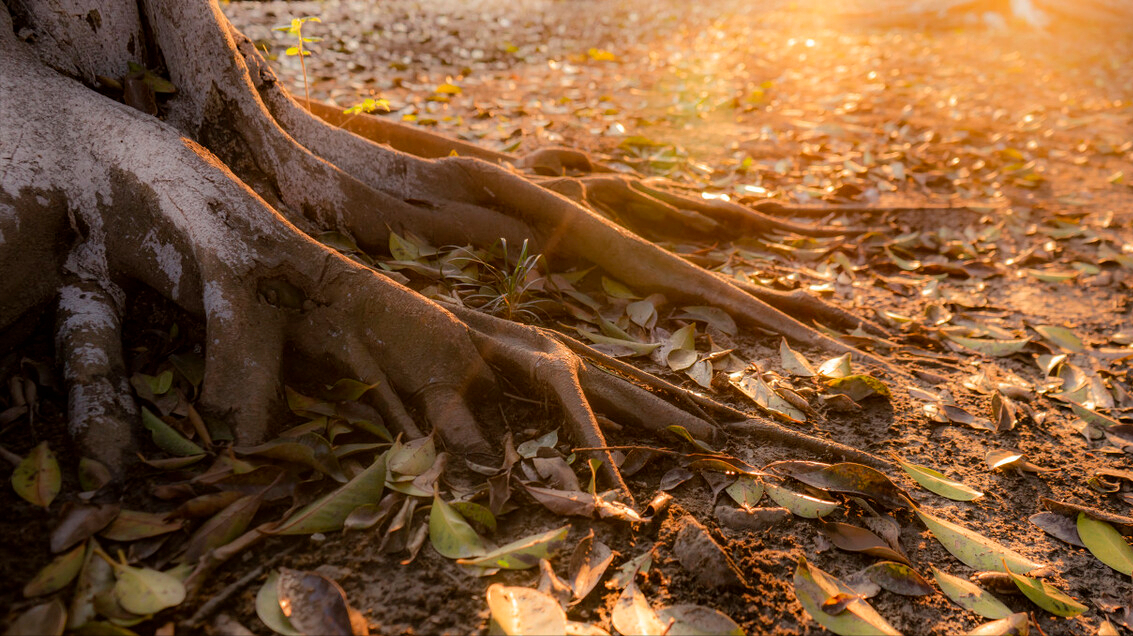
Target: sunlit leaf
{"x":858,"y":387}
{"x":1062,"y":337}
{"x":697,"y":620}
{"x":268,"y":609}
{"x":518,"y":611}
{"x":588,"y":563}
{"x":632,"y":614}
{"x":800,"y":504}
{"x":451,"y":535}
{"x":973,"y":549}
{"x":936,"y":482}
{"x":990,"y":347}
{"x":522,"y":553}
{"x":1106,"y":544}
{"x":314,"y":603}
{"x":970,"y":596}
{"x":814,"y":588}
{"x":836,"y":367}
{"x":617,"y":290}
{"x":37,"y":478}
{"x":746,"y":491}
{"x":898,"y":578}
{"x":793,"y":362}
{"x":1045,"y":596}
{"x":414,"y":457}
{"x":1012,"y":625}
{"x":714,"y":316}
{"x":854,"y":539}
{"x":330,"y":511}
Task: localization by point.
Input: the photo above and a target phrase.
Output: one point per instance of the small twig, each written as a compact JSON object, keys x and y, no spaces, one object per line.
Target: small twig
{"x":663,"y":451}
{"x":11,"y":457}
{"x":213,"y":604}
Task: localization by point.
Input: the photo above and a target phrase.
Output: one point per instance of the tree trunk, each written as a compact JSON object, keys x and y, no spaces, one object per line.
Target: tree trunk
{"x":213,"y":204}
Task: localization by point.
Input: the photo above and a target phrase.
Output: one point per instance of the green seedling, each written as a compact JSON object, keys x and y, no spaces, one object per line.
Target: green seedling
{"x":296,"y":29}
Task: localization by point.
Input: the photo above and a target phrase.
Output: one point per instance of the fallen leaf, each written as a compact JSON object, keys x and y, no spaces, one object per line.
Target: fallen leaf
{"x":451,"y":535}
{"x":1061,"y":337}
{"x":1045,"y":596}
{"x":633,"y":615}
{"x":697,"y":620}
{"x":898,"y":578}
{"x":145,"y":591}
{"x":814,"y":588}
{"x":79,"y":523}
{"x":970,"y":596}
{"x":973,"y":549}
{"x":222,"y":528}
{"x":588,"y":563}
{"x":854,"y":539}
{"x":1105,"y":543}
{"x":1012,"y":625}
{"x":522,"y":553}
{"x":132,"y":525}
{"x":46,"y":619}
{"x":315,"y":604}
{"x":330,"y":511}
{"x":37,"y":478}
{"x":836,"y":367}
{"x":858,"y":387}
{"x":799,"y":504}
{"x":936,"y":482}
{"x":1058,"y":526}
{"x":793,"y":362}
{"x":268,"y":609}
{"x":746,"y":491}
{"x":57,"y":574}
{"x":990,"y":347}
{"x":519,"y":610}
{"x":168,"y":439}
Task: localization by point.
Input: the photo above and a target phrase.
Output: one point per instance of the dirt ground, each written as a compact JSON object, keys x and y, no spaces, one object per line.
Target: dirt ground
{"x":1021,"y":140}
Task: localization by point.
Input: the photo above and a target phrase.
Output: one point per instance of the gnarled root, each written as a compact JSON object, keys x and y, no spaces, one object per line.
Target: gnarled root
{"x":233,"y":249}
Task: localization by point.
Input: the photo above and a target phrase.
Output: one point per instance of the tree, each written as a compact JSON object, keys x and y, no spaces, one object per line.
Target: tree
{"x":214,"y":206}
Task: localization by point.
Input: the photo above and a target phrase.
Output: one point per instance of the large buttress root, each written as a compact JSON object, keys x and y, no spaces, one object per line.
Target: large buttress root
{"x":157,"y":208}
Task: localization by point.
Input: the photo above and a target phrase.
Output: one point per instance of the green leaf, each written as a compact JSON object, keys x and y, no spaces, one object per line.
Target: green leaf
{"x":37,"y":477}
{"x":414,"y":457}
{"x":143,"y":591}
{"x":814,"y":588}
{"x":523,"y":553}
{"x":521,"y":610}
{"x":799,"y":504}
{"x":793,"y":362}
{"x":1045,"y":595}
{"x":329,"y":512}
{"x":973,"y":549}
{"x":133,"y":525}
{"x":858,"y":387}
{"x":168,"y":439}
{"x":989,"y":347}
{"x":617,"y":290}
{"x":451,"y":535}
{"x":222,"y":528}
{"x":746,"y":491}
{"x":697,"y":620}
{"x":402,"y":249}
{"x":1106,"y":543}
{"x":1062,"y":337}
{"x":291,"y":51}
{"x":682,"y":432}
{"x":970,"y":596}
{"x":93,"y":474}
{"x":936,"y":482}
{"x":476,"y":513}
{"x":56,"y":575}
{"x":632,"y":614}
{"x":268,"y":609}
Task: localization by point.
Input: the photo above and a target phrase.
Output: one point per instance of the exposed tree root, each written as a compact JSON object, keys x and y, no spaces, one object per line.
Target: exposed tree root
{"x":213,"y":208}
